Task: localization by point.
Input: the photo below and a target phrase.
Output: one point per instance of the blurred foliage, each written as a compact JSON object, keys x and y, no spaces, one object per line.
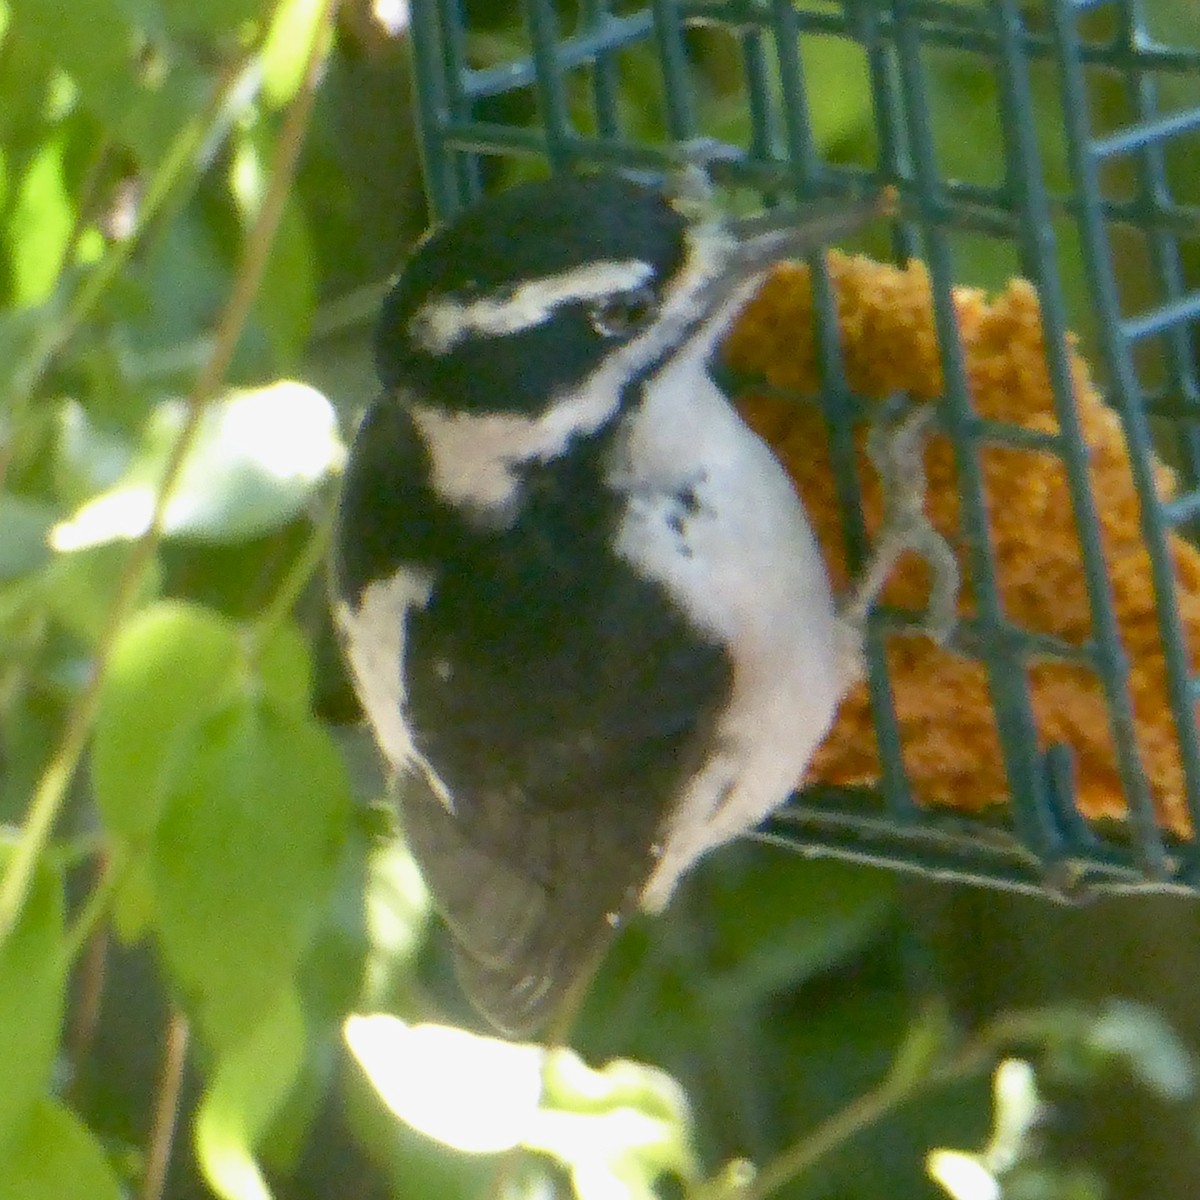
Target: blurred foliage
{"x":166,"y":483}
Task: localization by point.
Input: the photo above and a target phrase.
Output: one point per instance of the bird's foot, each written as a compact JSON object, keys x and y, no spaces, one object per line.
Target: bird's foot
{"x":897,"y":451}
{"x":690,"y":180}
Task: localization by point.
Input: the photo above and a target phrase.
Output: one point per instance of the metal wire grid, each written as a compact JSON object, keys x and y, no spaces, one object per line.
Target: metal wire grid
{"x":1042,"y":842}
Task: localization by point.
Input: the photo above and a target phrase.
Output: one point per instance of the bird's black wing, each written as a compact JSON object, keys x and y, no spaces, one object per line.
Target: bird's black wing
{"x":563,"y":700}
{"x":531,"y":893}
{"x":560,"y":699}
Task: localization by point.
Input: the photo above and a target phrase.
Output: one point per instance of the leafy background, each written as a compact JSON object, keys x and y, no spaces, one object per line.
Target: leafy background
{"x":199,"y":207}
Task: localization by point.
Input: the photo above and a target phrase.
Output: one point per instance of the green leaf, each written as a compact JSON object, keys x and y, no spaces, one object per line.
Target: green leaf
{"x":80,"y":587}
{"x":217,"y":18}
{"x":56,"y":1157}
{"x":257,"y":458}
{"x":287,"y":297}
{"x":24,"y":524}
{"x":781,"y":919}
{"x":284,"y":668}
{"x":838,"y":87}
{"x":249,"y":1085}
{"x":245,"y":859}
{"x":173,"y":665}
{"x":473,"y":1093}
{"x":24,"y":335}
{"x":329,"y":983}
{"x":40,"y":226}
{"x":133,"y":905}
{"x":287,"y":47}
{"x":616,"y":1129}
{"x":398,"y":911}
{"x":87,"y":458}
{"x":93,"y":41}
{"x":25,"y":75}
{"x":32,"y":987}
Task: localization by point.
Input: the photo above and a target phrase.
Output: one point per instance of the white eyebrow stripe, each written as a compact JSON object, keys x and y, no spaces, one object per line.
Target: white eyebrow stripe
{"x":443,"y":322}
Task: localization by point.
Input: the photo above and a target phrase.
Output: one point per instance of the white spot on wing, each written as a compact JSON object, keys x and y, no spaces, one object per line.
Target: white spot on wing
{"x":374,"y":633}
{"x":440,"y":324}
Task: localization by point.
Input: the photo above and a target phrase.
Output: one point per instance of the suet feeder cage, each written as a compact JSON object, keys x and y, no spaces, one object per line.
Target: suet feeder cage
{"x":1047,"y":161}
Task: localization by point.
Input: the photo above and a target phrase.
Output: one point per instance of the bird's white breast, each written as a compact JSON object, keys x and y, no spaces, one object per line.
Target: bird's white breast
{"x":711,"y":515}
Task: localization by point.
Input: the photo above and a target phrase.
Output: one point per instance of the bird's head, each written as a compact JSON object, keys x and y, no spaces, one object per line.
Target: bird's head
{"x":521,"y":324}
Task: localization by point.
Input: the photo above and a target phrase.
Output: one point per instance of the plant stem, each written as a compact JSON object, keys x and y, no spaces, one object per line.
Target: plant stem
{"x":896,"y":1089}
{"x":166,"y":1109}
{"x":95,"y":907}
{"x":52,"y":787}
{"x":303,"y":568}
{"x":89,"y":993}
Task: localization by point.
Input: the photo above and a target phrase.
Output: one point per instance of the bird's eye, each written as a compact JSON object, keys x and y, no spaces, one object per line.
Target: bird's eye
{"x":616,"y":316}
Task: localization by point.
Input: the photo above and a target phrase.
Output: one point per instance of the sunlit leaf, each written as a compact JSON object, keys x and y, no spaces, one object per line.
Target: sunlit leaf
{"x":87,"y":457}
{"x":40,"y":226}
{"x":1143,"y":1038}
{"x":256,"y":460}
{"x":287,"y":47}
{"x":476,"y":1094}
{"x":1016,"y":1108}
{"x":249,"y":1083}
{"x":963,"y":1176}
{"x":617,"y":1130}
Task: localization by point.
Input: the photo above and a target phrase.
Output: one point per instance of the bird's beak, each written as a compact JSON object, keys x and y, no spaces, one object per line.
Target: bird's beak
{"x":766,"y":238}
{"x":737,"y":251}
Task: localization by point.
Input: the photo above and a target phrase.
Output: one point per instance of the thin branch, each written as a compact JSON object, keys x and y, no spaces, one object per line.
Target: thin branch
{"x":166,"y":1109}
{"x":89,"y":992}
{"x":95,"y":907}
{"x":304,"y":566}
{"x":898,"y":1088}
{"x":88,"y":193}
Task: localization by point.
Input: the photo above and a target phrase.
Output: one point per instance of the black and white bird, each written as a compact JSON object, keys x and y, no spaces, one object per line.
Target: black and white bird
{"x":583,"y":609}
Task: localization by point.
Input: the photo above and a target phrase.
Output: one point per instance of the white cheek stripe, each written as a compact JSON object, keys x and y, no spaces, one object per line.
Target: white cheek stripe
{"x":474,"y":456}
{"x":442,"y":323}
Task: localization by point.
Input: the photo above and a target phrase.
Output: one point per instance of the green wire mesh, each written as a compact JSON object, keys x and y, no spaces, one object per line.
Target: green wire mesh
{"x":1095,"y":124}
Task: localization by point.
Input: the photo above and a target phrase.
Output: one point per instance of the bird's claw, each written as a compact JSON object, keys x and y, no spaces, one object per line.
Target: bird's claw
{"x":897,"y":451}
{"x":690,"y":181}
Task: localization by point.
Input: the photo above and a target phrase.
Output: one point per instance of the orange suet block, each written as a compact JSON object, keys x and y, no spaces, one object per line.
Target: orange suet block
{"x":948,"y":727}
